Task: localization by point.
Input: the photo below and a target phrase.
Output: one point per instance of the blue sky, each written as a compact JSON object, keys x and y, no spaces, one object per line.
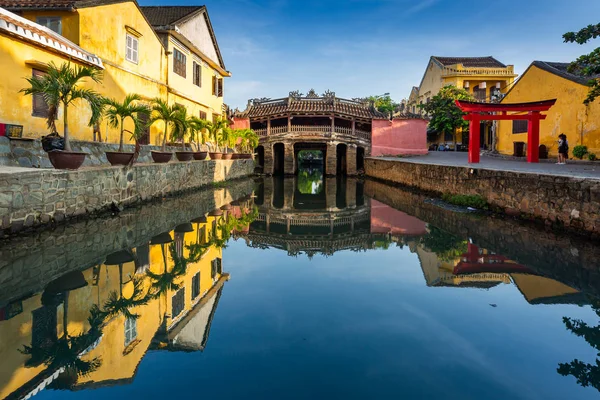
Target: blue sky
{"x":362,"y":47}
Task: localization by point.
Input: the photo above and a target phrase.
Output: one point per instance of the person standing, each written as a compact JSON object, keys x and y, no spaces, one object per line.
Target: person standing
{"x":563,"y":149}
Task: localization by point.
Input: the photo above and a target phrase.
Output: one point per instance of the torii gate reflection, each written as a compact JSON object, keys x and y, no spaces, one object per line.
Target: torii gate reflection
{"x":533,"y":116}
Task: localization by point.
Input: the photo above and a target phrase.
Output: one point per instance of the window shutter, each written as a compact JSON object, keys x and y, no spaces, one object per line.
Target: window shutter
{"x":214,"y":85}
{"x":220,"y":81}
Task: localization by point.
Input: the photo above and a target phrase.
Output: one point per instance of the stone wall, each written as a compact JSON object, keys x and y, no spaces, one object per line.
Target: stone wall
{"x":29,"y":263}
{"x":29,"y":153}
{"x":32,"y":197}
{"x":565,"y":202}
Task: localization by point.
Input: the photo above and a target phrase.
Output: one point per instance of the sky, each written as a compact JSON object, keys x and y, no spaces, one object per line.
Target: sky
{"x":358,"y":48}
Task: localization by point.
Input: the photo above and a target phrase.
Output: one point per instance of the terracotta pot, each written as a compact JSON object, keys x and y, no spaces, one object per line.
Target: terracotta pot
{"x":215,"y":213}
{"x":247,"y":156}
{"x":200,"y":155}
{"x":215,"y":156}
{"x":184,"y":155}
{"x":199,"y":220}
{"x":161,"y":156}
{"x":118,"y":158}
{"x":162,"y":238}
{"x":61,"y":159}
{"x":226,"y":207}
{"x":236,"y":156}
{"x":183,"y":228}
{"x":227,"y":156}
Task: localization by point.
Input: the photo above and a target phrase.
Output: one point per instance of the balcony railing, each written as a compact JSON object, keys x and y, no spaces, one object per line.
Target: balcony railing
{"x":478,"y":71}
{"x":314,"y":129}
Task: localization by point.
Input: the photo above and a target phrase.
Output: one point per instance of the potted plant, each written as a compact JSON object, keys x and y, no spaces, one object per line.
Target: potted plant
{"x":215,"y":130}
{"x":198,"y":135}
{"x":227,"y":139}
{"x":117,"y":113}
{"x":171,"y":115}
{"x":61,"y":86}
{"x":250,"y":141}
{"x":180,"y":131}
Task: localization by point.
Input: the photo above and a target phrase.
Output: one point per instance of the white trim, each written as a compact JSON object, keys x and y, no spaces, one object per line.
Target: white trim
{"x":180,"y":46}
{"x":24,"y":29}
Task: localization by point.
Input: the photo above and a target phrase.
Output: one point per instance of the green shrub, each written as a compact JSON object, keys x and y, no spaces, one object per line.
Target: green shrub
{"x":466,"y":200}
{"x":580,"y":151}
{"x":592,"y":156}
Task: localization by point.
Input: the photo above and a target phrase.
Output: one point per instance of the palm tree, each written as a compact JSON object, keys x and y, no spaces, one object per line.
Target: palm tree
{"x":250,"y":139}
{"x":118,"y":112}
{"x":197,"y":127}
{"x":61,"y":86}
{"x":171,"y":115}
{"x":215,"y":131}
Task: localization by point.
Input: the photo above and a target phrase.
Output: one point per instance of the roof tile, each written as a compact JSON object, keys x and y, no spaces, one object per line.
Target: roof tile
{"x":476,"y":62}
{"x":168,"y":15}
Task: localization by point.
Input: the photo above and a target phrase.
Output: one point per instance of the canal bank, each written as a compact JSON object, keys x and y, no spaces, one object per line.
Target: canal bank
{"x":563,"y":198}
{"x":35,"y":197}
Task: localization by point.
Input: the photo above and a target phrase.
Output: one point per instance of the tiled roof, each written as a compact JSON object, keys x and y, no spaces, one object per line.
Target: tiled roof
{"x":560,"y":69}
{"x":25,"y":30}
{"x":14,"y":5}
{"x":168,"y":15}
{"x":476,"y":62}
{"x":312,"y":104}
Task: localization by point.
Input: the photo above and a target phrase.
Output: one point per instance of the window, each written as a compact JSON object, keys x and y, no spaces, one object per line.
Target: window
{"x":520,"y":126}
{"x":196,"y":286}
{"x":197,"y":74}
{"x":179,"y":62}
{"x":131,"y":53}
{"x":213,"y":269}
{"x":130,"y":331}
{"x":178,"y":302}
{"x":202,"y":115}
{"x":215,"y":118}
{"x":217,"y":86}
{"x":52,"y":23}
{"x":40,"y":107}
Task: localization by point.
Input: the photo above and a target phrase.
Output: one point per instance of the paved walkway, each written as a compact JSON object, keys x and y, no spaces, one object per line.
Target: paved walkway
{"x":460,"y":159}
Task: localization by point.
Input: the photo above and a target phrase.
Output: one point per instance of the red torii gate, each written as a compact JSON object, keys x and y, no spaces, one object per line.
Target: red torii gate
{"x":533,"y":116}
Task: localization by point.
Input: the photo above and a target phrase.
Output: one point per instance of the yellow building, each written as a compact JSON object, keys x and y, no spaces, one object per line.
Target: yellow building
{"x":484,"y":77}
{"x":550,"y":80}
{"x":177,"y":315}
{"x":176,"y":62}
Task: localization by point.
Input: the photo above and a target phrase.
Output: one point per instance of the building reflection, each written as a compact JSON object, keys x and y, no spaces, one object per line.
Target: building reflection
{"x":92,"y":328}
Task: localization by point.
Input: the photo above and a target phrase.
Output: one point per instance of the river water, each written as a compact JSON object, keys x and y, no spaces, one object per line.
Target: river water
{"x":299,"y":288}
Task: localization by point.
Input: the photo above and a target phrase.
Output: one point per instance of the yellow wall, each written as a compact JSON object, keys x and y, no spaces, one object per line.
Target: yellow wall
{"x":569,"y":115}
{"x":149,"y":77}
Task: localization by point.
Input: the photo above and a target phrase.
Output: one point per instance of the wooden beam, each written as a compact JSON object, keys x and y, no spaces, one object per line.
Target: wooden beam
{"x":469,"y":106}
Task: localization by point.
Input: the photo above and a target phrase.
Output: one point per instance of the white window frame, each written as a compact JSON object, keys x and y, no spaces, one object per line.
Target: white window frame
{"x":45,"y":21}
{"x":132,"y":50}
{"x":130,"y":331}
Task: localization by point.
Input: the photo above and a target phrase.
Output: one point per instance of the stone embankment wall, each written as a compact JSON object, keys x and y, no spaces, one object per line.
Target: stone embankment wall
{"x":32,"y":197}
{"x":572,"y":203}
{"x":29,"y":153}
{"x":29,"y":263}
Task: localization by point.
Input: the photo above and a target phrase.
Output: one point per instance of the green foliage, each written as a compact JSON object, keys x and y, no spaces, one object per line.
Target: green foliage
{"x":384,"y":104}
{"x":61,"y":85}
{"x":197,"y":131}
{"x":580,"y":151}
{"x":117,"y":304}
{"x":171,"y":115}
{"x":466,"y":200}
{"x":586,"y":374}
{"x":445,"y":114}
{"x":592,"y":156}
{"x":215,"y":132}
{"x":118,"y":112}
{"x":310,"y":181}
{"x":587,"y":65}
{"x":446,"y":246}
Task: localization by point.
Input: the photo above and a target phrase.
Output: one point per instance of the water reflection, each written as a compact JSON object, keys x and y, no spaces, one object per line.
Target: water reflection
{"x":92,"y":324}
{"x":92,"y":328}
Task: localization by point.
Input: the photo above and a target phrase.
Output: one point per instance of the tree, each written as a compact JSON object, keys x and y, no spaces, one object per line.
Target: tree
{"x":587,"y":65}
{"x":384,"y":103}
{"x":170,"y":114}
{"x":215,"y":131}
{"x":198,"y":132}
{"x":586,"y":374}
{"x":118,"y":112}
{"x":61,"y":86}
{"x":445,"y":114}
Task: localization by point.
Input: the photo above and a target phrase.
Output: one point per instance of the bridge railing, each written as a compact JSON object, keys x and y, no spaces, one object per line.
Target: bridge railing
{"x":341,"y":130}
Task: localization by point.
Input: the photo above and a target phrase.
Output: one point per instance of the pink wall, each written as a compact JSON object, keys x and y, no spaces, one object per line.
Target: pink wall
{"x":399,"y":137}
{"x":240,"y":123}
{"x":385,"y":219}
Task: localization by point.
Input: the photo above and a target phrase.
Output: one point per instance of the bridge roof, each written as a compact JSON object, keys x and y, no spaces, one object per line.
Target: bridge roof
{"x":311,"y":104}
